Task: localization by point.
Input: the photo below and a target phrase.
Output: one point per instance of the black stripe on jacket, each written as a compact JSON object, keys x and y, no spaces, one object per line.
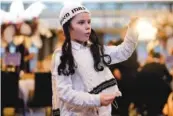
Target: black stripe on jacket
{"x":104,"y":85}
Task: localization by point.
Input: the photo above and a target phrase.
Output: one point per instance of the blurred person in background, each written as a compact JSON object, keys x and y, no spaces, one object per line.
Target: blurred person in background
{"x":25,"y":56}
{"x":19,"y":45}
{"x":61,"y":39}
{"x":125,"y":73}
{"x":84,"y":83}
{"x":163,"y":43}
{"x":152,"y":85}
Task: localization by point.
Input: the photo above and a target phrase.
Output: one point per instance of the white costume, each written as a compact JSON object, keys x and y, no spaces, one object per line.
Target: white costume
{"x":78,"y":94}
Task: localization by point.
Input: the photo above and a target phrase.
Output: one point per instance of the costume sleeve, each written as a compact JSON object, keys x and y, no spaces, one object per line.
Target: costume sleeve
{"x":67,"y":94}
{"x":123,"y":51}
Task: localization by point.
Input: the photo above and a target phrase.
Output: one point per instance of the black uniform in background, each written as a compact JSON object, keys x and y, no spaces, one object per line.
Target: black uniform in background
{"x":128,"y":70}
{"x":152,"y":88}
{"x":24,"y":52}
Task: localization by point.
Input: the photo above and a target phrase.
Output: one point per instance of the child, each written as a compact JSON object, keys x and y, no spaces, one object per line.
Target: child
{"x":81,"y":78}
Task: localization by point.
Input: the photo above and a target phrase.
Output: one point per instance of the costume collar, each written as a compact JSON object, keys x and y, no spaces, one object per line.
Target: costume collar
{"x":77,"y":46}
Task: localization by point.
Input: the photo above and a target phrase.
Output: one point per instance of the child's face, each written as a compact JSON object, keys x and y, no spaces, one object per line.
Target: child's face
{"x":81,"y":27}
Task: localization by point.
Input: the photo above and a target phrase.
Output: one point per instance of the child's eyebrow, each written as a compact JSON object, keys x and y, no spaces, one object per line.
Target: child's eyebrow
{"x":84,"y":20}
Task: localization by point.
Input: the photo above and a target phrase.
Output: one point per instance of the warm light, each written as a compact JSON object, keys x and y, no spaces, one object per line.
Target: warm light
{"x":6,"y":17}
{"x":34,"y":10}
{"x":146,"y":30}
{"x":16,"y":8}
{"x":17,"y":13}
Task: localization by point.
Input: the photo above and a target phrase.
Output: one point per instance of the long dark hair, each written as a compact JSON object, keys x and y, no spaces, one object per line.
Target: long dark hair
{"x":67,"y":65}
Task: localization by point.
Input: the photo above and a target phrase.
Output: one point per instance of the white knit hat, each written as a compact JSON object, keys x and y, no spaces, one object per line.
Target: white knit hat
{"x":69,"y":11}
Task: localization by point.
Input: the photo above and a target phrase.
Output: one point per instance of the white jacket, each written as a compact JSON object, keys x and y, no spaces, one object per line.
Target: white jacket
{"x":71,"y":93}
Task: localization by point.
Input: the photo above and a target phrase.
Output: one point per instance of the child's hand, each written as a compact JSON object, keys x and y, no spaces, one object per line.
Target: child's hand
{"x":132,"y":27}
{"x":133,"y":22}
{"x":106,"y":99}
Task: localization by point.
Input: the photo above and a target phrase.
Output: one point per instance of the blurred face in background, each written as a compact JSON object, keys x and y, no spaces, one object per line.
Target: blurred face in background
{"x":80,"y":28}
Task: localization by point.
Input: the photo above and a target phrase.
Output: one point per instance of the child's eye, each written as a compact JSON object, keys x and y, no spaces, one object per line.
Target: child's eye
{"x":81,"y":22}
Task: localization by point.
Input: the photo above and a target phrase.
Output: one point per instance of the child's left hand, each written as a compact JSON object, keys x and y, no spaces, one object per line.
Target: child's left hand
{"x":133,"y":22}
{"x":132,"y":27}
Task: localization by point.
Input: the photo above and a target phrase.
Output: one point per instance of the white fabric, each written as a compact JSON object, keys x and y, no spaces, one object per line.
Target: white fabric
{"x":69,"y":11}
{"x":73,"y":98}
{"x":25,"y":86}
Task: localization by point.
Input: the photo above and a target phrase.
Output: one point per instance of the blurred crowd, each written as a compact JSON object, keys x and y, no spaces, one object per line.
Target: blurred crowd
{"x":147,"y":87}
{"x":29,"y":38}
